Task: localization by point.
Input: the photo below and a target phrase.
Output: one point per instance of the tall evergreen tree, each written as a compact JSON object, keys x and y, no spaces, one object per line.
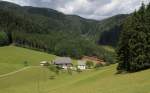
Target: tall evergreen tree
{"x":133,"y":51}
{"x":123,"y":46}
{"x":147,"y":25}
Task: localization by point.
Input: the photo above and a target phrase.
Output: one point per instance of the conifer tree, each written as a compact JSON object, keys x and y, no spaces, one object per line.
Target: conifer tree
{"x":134,"y":47}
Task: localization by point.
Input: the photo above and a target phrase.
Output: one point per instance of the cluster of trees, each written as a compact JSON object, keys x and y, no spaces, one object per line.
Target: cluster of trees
{"x":60,"y":44}
{"x":134,"y":45}
{"x":4,"y":40}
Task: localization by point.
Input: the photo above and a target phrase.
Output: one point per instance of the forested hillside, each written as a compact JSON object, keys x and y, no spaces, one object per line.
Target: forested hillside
{"x":111,"y":30}
{"x":134,"y":46}
{"x":54,"y":32}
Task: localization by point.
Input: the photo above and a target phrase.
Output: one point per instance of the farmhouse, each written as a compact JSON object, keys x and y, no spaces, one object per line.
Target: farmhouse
{"x":81,"y":65}
{"x":63,"y":62}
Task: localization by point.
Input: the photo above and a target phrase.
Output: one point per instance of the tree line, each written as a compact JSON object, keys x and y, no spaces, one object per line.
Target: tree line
{"x":133,"y":52}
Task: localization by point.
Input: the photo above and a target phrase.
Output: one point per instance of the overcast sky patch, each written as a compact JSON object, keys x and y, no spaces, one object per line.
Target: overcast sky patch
{"x":93,"y":9}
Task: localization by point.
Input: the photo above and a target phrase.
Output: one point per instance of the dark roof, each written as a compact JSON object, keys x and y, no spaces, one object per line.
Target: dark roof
{"x":63,"y":60}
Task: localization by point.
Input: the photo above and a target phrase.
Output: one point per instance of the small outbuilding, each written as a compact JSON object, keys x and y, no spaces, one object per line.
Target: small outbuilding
{"x":63,"y":62}
{"x":44,"y":63}
{"x":81,"y":65}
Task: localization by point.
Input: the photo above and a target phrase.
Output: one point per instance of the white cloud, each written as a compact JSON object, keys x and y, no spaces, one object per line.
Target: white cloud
{"x":95,"y":9}
{"x":21,"y":2}
{"x":74,"y":6}
{"x":117,"y":7}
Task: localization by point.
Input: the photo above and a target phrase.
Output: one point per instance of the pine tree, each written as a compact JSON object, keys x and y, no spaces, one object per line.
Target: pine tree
{"x":134,"y":47}
{"x":123,"y":46}
{"x":148,"y":36}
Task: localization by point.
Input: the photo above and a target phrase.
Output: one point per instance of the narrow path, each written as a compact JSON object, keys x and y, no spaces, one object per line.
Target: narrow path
{"x":11,"y":73}
{"x":14,"y":72}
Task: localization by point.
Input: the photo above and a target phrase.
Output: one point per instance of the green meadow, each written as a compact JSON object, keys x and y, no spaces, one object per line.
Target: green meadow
{"x":36,"y":79}
{"x":13,"y":58}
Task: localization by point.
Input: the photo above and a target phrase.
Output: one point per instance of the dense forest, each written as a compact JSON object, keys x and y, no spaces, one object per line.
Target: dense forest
{"x":54,"y":32}
{"x":110,"y":35}
{"x":134,"y":45}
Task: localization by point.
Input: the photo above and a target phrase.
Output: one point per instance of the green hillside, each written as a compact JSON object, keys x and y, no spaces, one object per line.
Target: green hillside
{"x":54,"y":32}
{"x":13,"y":58}
{"x":36,"y":79}
{"x":104,"y":80}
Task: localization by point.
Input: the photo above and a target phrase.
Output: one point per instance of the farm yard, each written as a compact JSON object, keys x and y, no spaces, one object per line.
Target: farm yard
{"x":36,"y":79}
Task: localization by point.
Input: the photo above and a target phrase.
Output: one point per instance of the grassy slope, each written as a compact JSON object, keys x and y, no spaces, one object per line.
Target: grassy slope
{"x":36,"y":80}
{"x":12,"y":58}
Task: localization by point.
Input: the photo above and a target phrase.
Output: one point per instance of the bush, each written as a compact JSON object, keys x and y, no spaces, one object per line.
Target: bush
{"x":54,"y":69}
{"x":89,"y":64}
{"x":79,"y":70}
{"x":98,"y":65}
{"x":26,"y":63}
{"x":69,"y":71}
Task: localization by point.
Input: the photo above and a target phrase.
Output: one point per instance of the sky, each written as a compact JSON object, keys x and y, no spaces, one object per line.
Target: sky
{"x":92,"y":9}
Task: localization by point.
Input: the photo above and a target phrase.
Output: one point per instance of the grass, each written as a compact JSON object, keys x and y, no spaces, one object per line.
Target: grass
{"x":12,"y":58}
{"x":36,"y":80}
{"x":104,"y":80}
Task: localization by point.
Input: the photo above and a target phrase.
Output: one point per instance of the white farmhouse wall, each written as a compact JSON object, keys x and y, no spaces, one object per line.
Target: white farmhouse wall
{"x":82,"y":67}
{"x":64,"y":66}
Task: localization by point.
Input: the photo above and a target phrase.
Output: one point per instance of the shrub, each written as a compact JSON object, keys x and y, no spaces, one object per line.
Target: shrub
{"x":79,"y":70}
{"x":69,"y":71}
{"x":98,"y":65}
{"x":26,"y":63}
{"x":54,"y":69}
{"x":89,"y":64}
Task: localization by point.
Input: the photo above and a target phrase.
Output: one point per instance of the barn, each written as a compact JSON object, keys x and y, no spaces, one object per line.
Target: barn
{"x":63,"y":62}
